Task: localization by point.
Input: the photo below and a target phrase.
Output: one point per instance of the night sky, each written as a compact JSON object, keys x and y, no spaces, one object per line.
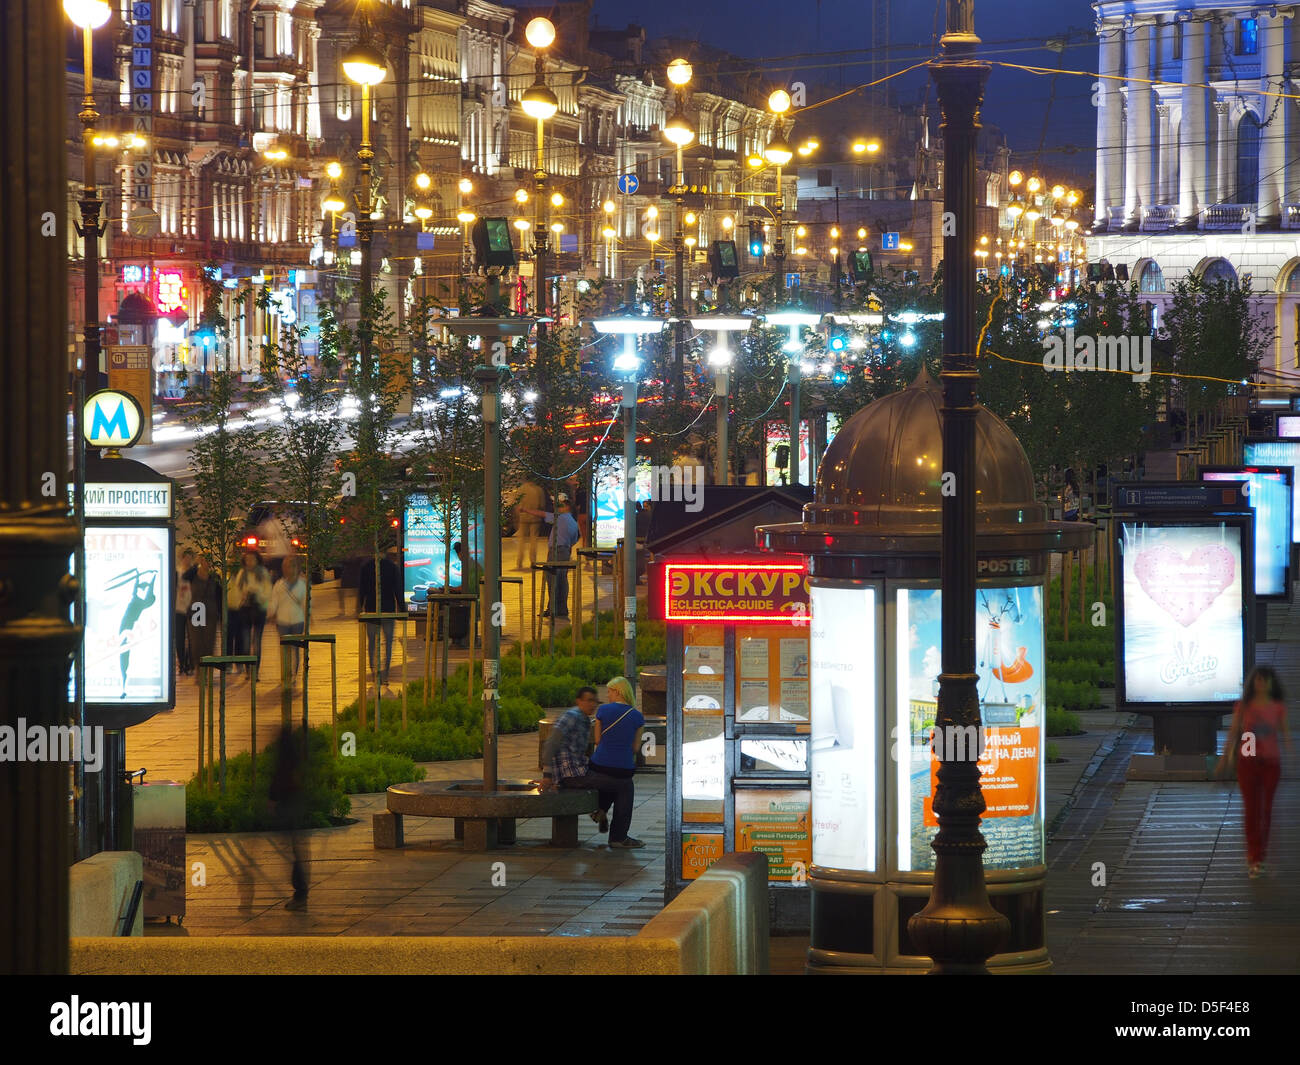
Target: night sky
{"x":796,"y":32}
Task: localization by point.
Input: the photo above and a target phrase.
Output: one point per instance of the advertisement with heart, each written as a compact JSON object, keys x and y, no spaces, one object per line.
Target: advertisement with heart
{"x":1184,"y":610}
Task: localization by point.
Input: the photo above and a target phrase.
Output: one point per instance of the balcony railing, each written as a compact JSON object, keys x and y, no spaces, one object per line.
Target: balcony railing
{"x":1159,"y":217}
{"x":1226,"y":216}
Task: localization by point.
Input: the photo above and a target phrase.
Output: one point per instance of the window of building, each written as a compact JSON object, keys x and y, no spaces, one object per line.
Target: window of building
{"x":1293,"y":282}
{"x":1248,"y":159}
{"x":1218,"y":270}
{"x":1152,"y":278}
{"x":1247,"y":36}
{"x":824,"y":179}
{"x":1177,"y":50}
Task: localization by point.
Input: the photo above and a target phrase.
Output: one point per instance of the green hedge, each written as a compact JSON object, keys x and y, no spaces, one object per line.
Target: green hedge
{"x":1060,"y":722}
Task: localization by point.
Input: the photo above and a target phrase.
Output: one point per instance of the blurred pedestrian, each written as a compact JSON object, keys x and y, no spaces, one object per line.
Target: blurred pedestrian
{"x":288,"y":795}
{"x":1258,"y":721}
{"x":205,"y":592}
{"x":390,"y":583}
{"x":580,"y":497}
{"x":181,"y":613}
{"x":616,"y":731}
{"x":528,"y":526}
{"x":1070,"y":497}
{"x":250,"y":594}
{"x":288,"y":609}
{"x":563,"y":537}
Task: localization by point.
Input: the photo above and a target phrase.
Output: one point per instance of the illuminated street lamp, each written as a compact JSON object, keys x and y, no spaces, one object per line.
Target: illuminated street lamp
{"x":540,"y":103}
{"x":679,"y":133}
{"x":795,"y":321}
{"x":720,"y":357}
{"x":627,"y":368}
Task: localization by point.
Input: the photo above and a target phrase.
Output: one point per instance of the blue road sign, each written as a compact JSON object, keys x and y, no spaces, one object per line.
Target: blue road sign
{"x":627,"y":183}
{"x":889,"y":241}
{"x":791,"y":280}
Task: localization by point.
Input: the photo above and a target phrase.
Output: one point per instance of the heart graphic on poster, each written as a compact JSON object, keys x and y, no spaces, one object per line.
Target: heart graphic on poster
{"x":1184,"y":586}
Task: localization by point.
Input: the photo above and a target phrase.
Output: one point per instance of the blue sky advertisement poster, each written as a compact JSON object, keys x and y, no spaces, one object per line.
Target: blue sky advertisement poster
{"x":431,"y":527}
{"x":1278,"y":453}
{"x":1183,"y":625}
{"x":1009,"y":656}
{"x":1270,"y":497}
{"x":609,"y":497}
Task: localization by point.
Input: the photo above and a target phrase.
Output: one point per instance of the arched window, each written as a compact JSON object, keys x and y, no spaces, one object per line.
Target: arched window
{"x":1217,"y":270}
{"x":1152,"y":279}
{"x":1293,"y":280}
{"x":1248,"y":159}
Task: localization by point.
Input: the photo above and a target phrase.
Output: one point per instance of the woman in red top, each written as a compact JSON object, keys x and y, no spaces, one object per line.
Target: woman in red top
{"x":1258,"y":720}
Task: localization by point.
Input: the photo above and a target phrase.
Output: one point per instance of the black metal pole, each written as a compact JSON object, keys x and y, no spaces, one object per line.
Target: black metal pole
{"x":679,"y":290}
{"x":37,"y":536}
{"x":489,"y":380}
{"x":958,"y":928}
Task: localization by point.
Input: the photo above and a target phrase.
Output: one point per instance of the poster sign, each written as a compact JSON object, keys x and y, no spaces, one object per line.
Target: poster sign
{"x":610,"y":497}
{"x":1268,"y":490}
{"x":129,"y":600}
{"x":127,"y":500}
{"x":1008,"y":744}
{"x":699,"y":851}
{"x":776,"y":823}
{"x":1183,"y":628}
{"x":1277,"y":453}
{"x":695,"y":591}
{"x":430,"y":528}
{"x":778,"y":436}
{"x":843,"y":739}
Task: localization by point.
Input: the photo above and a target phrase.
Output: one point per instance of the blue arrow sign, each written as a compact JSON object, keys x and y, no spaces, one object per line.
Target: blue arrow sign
{"x":628,"y":184}
{"x":889,"y":241}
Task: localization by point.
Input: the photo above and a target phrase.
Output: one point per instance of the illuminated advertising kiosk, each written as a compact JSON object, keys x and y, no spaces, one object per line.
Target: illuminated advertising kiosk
{"x":1185,"y":616}
{"x":872,"y":544}
{"x":737,"y":691}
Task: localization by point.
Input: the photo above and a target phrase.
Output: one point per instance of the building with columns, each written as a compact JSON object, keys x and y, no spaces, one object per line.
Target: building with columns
{"x":1198,"y":154}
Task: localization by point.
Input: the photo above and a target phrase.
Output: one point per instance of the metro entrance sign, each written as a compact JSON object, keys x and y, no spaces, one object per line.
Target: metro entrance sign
{"x":112,"y":419}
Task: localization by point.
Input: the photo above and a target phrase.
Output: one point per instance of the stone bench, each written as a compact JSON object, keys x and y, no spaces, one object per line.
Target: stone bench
{"x":483,"y":820}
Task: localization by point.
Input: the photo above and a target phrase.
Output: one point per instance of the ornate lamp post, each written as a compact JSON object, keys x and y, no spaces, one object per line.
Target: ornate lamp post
{"x":958,"y":928}
{"x":679,"y":133}
{"x":627,"y":367}
{"x":794,"y":347}
{"x":540,"y":103}
{"x":364,"y":65}
{"x":720,"y":358}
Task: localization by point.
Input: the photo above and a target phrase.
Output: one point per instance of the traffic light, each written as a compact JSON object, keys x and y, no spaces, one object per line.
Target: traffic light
{"x":838,"y":340}
{"x":840,"y":377}
{"x":755,"y":240}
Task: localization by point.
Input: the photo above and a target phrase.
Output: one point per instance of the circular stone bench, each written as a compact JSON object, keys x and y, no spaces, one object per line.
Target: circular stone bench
{"x":484,"y":820}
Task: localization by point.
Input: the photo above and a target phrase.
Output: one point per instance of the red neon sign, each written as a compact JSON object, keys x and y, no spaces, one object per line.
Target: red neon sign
{"x":171,"y":291}
{"x":735,"y":591}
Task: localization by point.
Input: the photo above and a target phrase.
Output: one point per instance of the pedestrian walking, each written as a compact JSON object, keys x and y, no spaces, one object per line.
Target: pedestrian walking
{"x":389,"y":596}
{"x":250,"y":594}
{"x":564,"y":756}
{"x":288,"y":609}
{"x":616,"y":731}
{"x":288,"y":795}
{"x":528,"y":526}
{"x":181,"y":612}
{"x":564,"y":535}
{"x":1070,"y":497}
{"x":205,"y":592}
{"x":1253,"y":747}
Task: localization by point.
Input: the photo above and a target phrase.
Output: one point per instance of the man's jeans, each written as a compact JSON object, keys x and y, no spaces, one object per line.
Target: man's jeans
{"x":612,"y":790}
{"x":559,"y":581}
{"x":372,"y":638}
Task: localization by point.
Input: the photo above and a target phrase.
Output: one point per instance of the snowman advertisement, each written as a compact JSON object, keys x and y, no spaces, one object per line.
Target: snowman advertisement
{"x":1183,"y":622}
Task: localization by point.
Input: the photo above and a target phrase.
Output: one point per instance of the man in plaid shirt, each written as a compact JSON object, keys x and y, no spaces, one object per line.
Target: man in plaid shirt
{"x":565,"y":757}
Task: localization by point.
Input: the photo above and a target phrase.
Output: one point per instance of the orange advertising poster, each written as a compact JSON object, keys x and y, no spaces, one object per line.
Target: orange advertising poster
{"x":1008,"y":773}
{"x":699,"y":851}
{"x":776,"y":823}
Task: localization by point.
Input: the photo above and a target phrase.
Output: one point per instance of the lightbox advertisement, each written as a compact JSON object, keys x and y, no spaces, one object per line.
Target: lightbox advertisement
{"x":843,"y":739}
{"x":778,"y":436}
{"x":129,"y":600}
{"x":1269,"y":494}
{"x":430,"y":528}
{"x":609,"y":496}
{"x":1277,"y":453}
{"x":1183,"y":625}
{"x":1009,"y":652}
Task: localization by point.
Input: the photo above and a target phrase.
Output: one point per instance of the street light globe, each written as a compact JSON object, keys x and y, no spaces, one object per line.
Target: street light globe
{"x":557,"y":227}
{"x":835,"y":232}
{"x":1034,"y":184}
{"x":334,"y":170}
{"x":539,"y":102}
{"x":653,"y":236}
{"x":691,"y":242}
{"x":755,"y":161}
{"x":728,"y":222}
{"x":690,"y":218}
{"x":423,"y":181}
{"x":679,"y":72}
{"x":608,"y":233}
{"x":835,"y":252}
{"x":609,"y":207}
{"x":779,"y":102}
{"x":1015,"y":177}
{"x":862,"y":233}
{"x":1058,"y":191}
{"x":522,"y":223}
{"x":540,"y":33}
{"x":778,"y":152}
{"x":801,"y":231}
{"x":423,"y":213}
{"x":466,"y":186}
{"x":678,"y":130}
{"x":465,"y":217}
{"x":652,"y":211}
{"x":333,"y":203}
{"x":364,"y":65}
{"x":521,"y":195}
{"x":1032,"y":213}
{"x":88,"y":14}
{"x":557,"y":199}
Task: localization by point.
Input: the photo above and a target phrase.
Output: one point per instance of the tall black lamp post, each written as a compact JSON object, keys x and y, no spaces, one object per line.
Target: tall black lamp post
{"x":679,"y":133}
{"x":959,"y":929}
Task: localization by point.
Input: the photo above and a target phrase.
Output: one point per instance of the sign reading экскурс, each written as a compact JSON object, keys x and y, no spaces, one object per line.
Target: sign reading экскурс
{"x":740,"y":591}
